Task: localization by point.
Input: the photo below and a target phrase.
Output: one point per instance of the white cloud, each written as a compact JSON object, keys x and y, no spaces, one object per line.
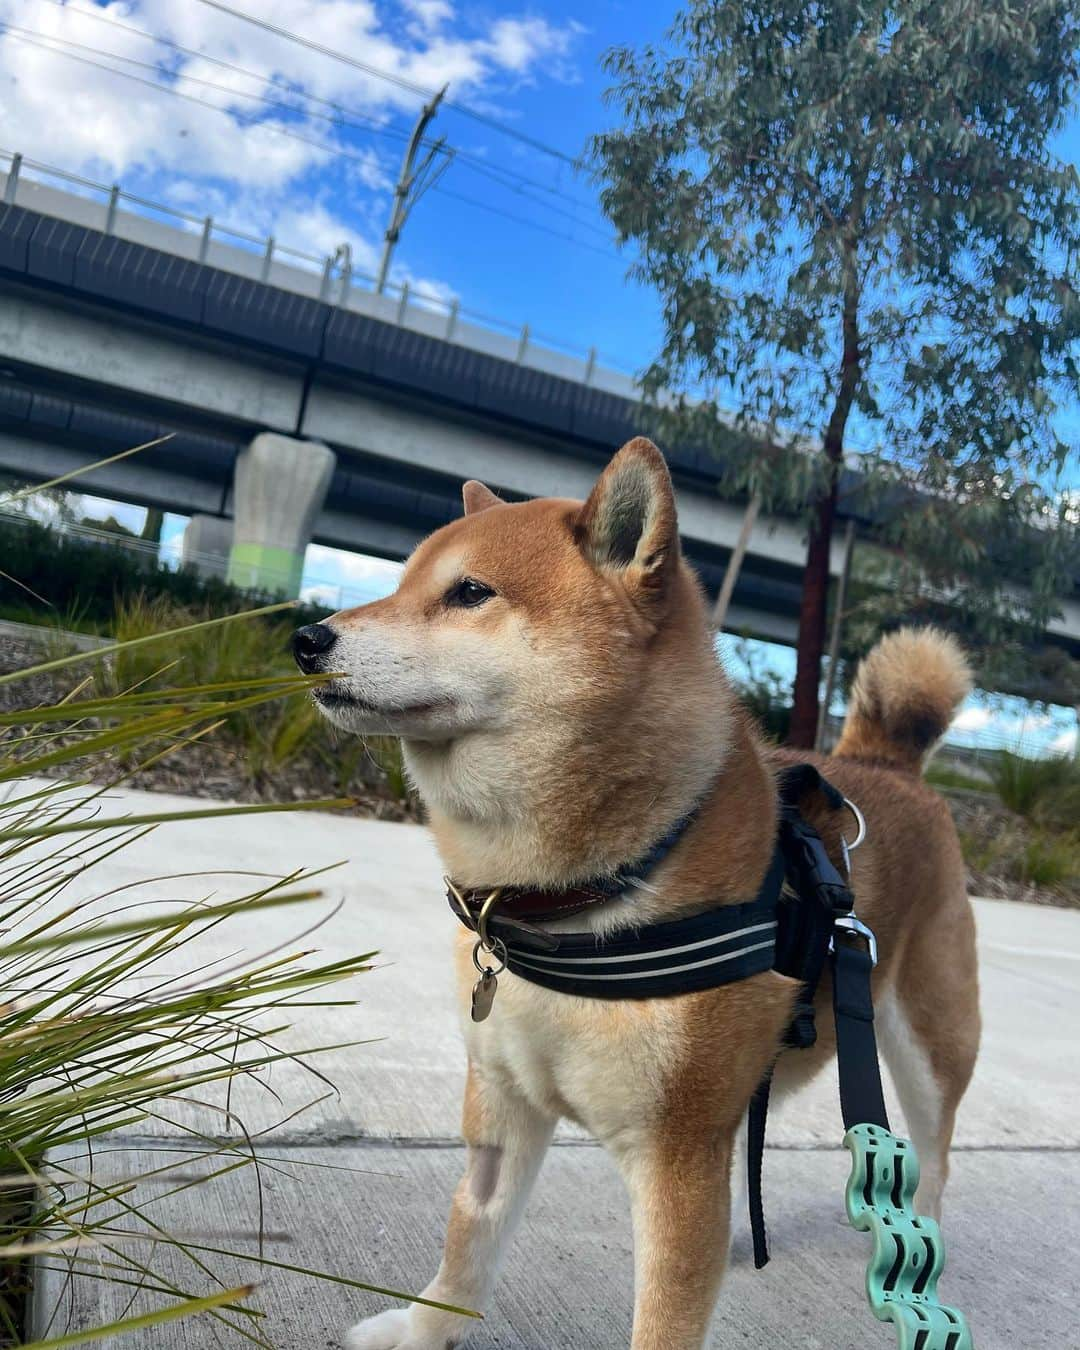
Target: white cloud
{"x":338,"y":579}
{"x":1066,"y":743}
{"x":516,"y":44}
{"x":429,"y":14}
{"x":230,"y":158}
{"x":972,"y":719}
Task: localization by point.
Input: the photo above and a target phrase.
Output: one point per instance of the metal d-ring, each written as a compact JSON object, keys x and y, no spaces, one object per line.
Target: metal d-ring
{"x":482,"y":920}
{"x":848,"y":849}
{"x":479,"y":924}
{"x":860,"y":821}
{"x":497,"y":949}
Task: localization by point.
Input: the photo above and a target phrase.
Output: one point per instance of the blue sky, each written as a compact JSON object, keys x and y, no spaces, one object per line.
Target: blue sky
{"x":534,"y":67}
{"x":533,"y":251}
{"x":536,"y":251}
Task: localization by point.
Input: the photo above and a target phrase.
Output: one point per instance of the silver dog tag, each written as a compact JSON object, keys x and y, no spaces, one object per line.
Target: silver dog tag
{"x":483,"y":995}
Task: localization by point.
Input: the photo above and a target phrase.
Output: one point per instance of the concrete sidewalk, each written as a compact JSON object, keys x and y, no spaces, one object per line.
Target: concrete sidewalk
{"x":359,"y":1185}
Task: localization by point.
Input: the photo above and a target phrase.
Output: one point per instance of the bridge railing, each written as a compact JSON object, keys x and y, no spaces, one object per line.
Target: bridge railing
{"x":333,"y":278}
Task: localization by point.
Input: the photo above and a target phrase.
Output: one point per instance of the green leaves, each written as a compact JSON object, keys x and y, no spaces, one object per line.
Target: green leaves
{"x":879,"y":172}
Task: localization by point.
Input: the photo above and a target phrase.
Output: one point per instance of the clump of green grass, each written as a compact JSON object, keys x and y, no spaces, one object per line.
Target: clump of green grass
{"x":268,"y":734}
{"x":95,"y":1035}
{"x":1028,"y":786}
{"x":269,"y":737}
{"x":943,"y":777}
{"x":1050,"y":863}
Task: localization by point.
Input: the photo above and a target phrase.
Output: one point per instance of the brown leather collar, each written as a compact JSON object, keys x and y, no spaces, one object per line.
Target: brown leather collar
{"x":515,"y":913}
{"x":528,"y":905}
{"x":519,"y":909}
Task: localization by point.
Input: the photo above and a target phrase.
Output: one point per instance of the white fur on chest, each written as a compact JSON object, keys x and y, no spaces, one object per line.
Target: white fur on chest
{"x":597,"y":1062}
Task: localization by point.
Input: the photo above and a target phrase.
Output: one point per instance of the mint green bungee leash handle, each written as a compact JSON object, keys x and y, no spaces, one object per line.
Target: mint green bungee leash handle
{"x":909,"y":1252}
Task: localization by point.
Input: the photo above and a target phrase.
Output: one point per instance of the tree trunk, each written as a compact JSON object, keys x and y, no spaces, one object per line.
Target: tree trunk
{"x":815,"y":591}
{"x":812,"y":612}
{"x":735,"y":562}
{"x":834,"y":636}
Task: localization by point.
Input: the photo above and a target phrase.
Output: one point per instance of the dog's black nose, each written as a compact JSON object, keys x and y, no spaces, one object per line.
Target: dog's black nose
{"x":310,"y":643}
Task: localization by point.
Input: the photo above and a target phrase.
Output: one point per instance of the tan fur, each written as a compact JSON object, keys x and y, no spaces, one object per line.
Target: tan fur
{"x":904,"y":697}
{"x":555,"y":731}
{"x":476,"y":497}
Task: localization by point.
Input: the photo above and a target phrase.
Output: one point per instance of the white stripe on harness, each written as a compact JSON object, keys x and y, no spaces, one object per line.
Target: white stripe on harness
{"x":644,"y":974}
{"x":657,"y":956}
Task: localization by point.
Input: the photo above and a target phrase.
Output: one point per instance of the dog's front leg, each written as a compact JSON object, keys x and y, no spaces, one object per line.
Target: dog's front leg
{"x":680,"y":1196}
{"x":507,"y":1139}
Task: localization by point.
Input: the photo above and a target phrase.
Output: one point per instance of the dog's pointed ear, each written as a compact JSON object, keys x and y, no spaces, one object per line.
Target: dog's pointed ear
{"x":629,"y":523}
{"x":477,"y":497}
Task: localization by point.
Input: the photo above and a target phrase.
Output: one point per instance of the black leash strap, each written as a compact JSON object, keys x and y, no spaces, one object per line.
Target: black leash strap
{"x":820,"y":921}
{"x":755,"y":1159}
{"x":862,"y":1101}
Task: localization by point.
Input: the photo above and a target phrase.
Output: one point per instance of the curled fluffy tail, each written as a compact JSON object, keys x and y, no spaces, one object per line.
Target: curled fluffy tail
{"x":905,"y":694}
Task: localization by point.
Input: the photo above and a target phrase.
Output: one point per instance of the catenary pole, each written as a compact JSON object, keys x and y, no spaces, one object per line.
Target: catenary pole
{"x":408,"y":179}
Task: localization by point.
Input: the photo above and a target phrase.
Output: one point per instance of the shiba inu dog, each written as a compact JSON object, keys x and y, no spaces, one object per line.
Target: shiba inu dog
{"x":550,"y":670}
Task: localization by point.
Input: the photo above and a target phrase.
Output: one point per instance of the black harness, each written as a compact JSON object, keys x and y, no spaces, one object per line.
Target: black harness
{"x":802,"y":916}
{"x":660,"y":959}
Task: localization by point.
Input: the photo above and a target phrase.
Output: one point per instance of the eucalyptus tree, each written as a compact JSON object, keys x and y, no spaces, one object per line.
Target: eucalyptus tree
{"x":865,"y":250}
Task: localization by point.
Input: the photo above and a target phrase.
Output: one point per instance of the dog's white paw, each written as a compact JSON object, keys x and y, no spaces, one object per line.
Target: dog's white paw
{"x":387,"y":1331}
{"x":394,"y":1330}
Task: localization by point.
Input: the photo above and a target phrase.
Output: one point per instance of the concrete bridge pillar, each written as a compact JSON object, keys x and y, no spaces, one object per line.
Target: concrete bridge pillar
{"x":278,"y":490}
{"x":205,"y":545}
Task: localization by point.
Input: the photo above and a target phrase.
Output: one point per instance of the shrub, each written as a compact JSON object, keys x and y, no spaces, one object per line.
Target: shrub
{"x":1028,"y":786}
{"x":1050,"y":862}
{"x":79,"y":583}
{"x":268,"y":734}
{"x":982,"y":852}
{"x":87,"y":1042}
{"x":765,"y":693}
{"x":943,"y":777}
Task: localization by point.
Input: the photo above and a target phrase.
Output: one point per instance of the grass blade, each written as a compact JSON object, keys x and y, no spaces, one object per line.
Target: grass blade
{"x":226,"y":1298}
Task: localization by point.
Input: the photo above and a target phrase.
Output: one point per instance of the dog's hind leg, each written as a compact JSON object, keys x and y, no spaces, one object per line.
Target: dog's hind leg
{"x":507,"y":1139}
{"x":680,"y":1201}
{"x":928,"y":1024}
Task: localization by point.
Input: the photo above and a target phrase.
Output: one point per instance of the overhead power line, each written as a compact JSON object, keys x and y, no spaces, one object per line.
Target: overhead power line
{"x":398,"y":80}
{"x":532,"y":224}
{"x":504,"y":177}
{"x":95,"y":16}
{"x":343,"y":115}
{"x":277,"y":130}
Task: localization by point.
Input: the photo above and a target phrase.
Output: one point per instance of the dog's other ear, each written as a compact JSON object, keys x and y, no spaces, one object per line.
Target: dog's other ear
{"x":629,"y":522}
{"x":477,"y":497}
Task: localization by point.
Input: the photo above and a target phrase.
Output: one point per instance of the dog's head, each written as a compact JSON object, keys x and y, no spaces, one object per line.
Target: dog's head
{"x":521,"y":632}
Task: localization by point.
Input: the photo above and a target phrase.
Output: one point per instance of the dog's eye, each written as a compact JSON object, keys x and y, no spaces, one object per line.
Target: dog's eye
{"x":468,"y":593}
